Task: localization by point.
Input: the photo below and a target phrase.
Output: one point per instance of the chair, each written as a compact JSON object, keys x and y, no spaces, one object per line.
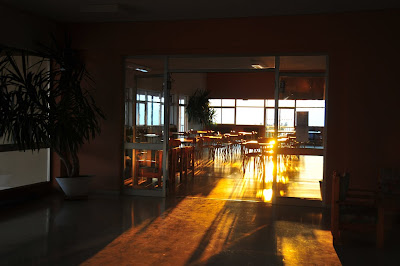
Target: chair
{"x":252,"y":150}
{"x":388,"y":202}
{"x":174,"y":158}
{"x":187,"y":161}
{"x":149,"y":168}
{"x":267,"y":147}
{"x":352,"y":209}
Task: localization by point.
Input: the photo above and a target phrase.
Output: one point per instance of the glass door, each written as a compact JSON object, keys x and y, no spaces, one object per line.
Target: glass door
{"x":146,"y":121}
{"x":300,"y":127}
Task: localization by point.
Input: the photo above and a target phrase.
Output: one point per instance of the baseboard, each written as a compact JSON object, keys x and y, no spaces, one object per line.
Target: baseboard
{"x":25,"y":193}
{"x":299,"y":202}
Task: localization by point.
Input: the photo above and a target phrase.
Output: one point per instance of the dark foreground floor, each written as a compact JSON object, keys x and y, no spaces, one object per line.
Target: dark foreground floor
{"x":107,"y":230}
{"x":220,"y":217}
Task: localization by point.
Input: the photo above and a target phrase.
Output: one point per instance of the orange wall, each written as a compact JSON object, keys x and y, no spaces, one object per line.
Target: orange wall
{"x":362,"y":88}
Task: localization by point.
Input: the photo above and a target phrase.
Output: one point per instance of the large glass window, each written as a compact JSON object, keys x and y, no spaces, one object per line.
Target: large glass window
{"x":250,"y":112}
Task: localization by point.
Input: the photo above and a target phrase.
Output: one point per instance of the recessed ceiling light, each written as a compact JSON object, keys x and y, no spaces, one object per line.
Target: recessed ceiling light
{"x":143,"y":69}
{"x":257,"y":66}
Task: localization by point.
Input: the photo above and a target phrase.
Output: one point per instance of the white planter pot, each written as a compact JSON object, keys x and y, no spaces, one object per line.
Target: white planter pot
{"x":75,"y":187}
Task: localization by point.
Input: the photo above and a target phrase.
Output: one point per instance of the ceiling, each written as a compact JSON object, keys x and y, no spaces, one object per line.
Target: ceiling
{"x":155,"y":10}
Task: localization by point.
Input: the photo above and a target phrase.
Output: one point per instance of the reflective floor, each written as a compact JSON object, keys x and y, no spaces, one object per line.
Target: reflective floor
{"x":219,"y":218}
{"x":227,"y":178}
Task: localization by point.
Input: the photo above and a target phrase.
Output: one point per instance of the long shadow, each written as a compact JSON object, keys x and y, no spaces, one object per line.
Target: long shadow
{"x":207,"y":177}
{"x":249,"y":240}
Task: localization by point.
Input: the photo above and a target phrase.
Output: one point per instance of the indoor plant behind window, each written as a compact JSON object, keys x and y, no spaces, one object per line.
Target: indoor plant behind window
{"x":198,"y":108}
{"x":50,"y":108}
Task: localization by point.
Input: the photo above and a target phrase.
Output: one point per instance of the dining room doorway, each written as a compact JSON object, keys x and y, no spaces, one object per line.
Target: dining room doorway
{"x":284,"y":97}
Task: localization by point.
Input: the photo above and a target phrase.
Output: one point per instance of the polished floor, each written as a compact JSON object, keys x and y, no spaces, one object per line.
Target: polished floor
{"x":225,"y":178}
{"x":218,"y":218}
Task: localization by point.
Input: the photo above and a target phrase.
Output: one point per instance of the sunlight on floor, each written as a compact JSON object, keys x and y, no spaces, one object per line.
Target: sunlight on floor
{"x":298,"y":176}
{"x":178,"y":234}
{"x":204,"y":225}
{"x":300,"y":244}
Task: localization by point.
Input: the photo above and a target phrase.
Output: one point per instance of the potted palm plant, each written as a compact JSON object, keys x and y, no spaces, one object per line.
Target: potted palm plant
{"x":50,"y":107}
{"x":198,"y":108}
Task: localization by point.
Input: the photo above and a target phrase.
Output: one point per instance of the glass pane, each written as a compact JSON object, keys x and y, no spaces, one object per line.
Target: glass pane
{"x":215,"y":102}
{"x":270,"y":103}
{"x":286,"y":119}
{"x":228,"y":102}
{"x":316,"y":116}
{"x":228,"y":115}
{"x":302,"y":88}
{"x":286,"y":103}
{"x":182,"y":118}
{"x":217,"y":116}
{"x":143,"y":160}
{"x":310,"y":103}
{"x":143,"y":169}
{"x":255,"y":103}
{"x":300,"y":63}
{"x":269,"y":112}
{"x":270,"y":118}
{"x":156,"y":114}
{"x":249,"y":116}
{"x":300,"y":176}
{"x":140,"y":114}
{"x":162,"y":114}
{"x":149,"y":113}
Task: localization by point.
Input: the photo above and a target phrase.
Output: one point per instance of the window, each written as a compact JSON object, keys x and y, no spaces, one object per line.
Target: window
{"x":224,"y":111}
{"x":315,"y":109}
{"x":182,"y":113}
{"x":149,"y":108}
{"x":153,"y":110}
{"x":249,"y":112}
{"x":286,"y":119}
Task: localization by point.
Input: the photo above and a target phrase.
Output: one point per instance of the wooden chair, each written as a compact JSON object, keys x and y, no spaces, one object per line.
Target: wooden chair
{"x":187,"y":162}
{"x":148,"y":168}
{"x":388,"y":202}
{"x":352,"y":209}
{"x":361,"y":210}
{"x":174,"y":158}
